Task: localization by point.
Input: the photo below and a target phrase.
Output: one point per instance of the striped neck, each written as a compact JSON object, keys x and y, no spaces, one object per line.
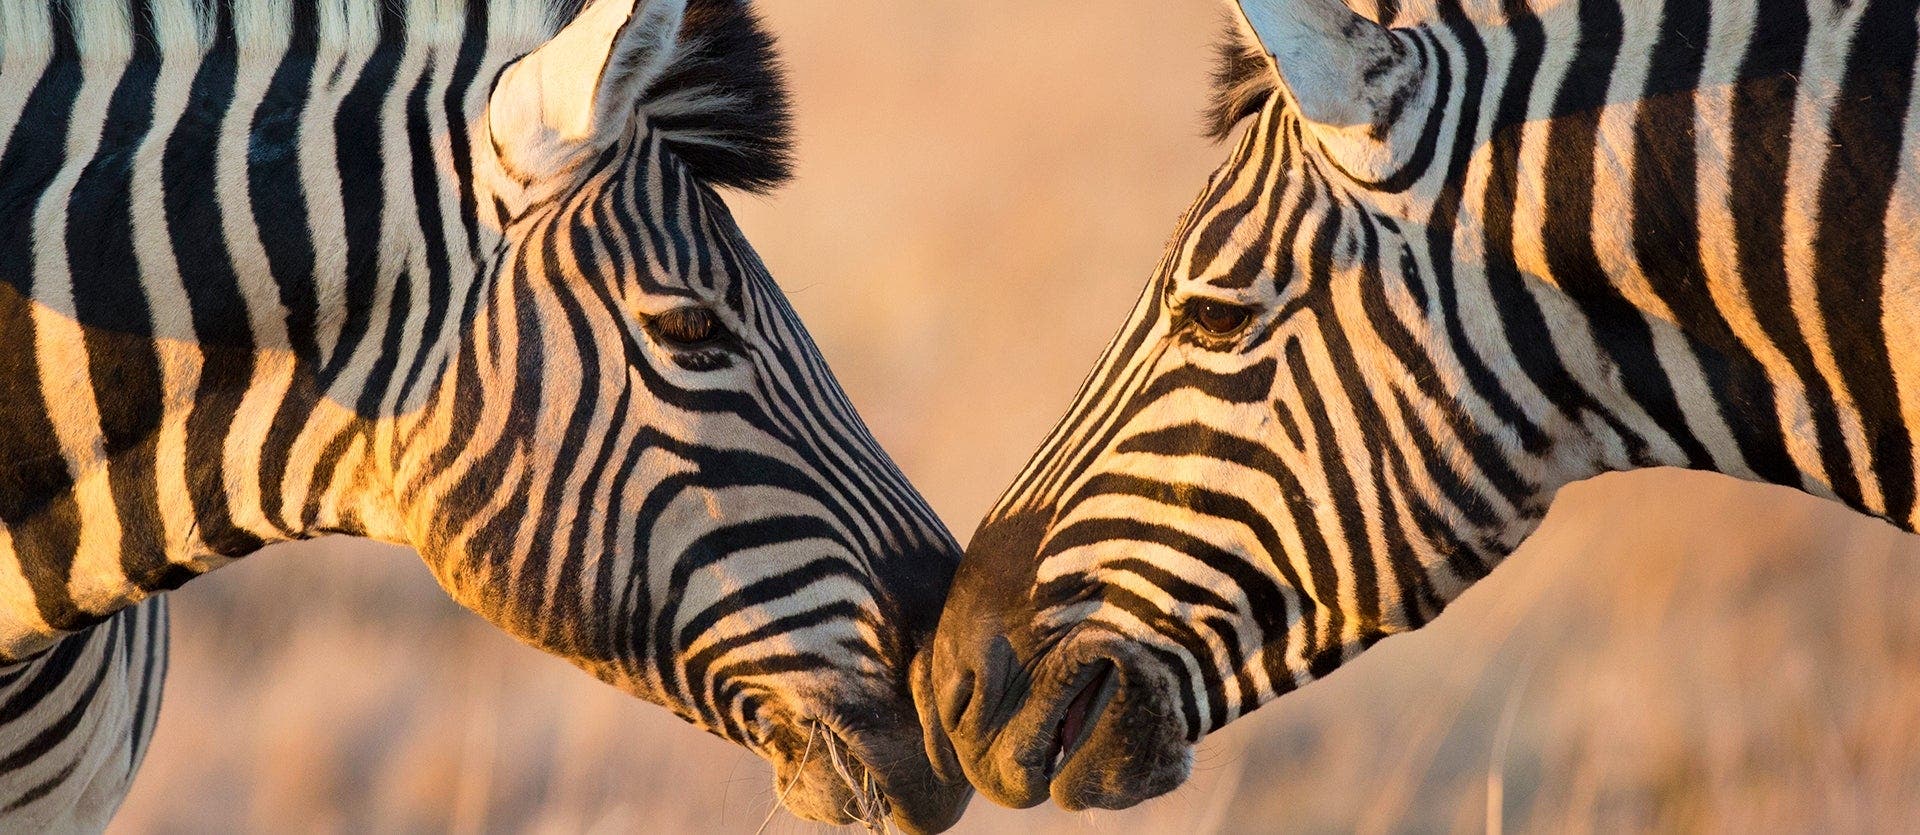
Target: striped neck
{"x":1650,"y":215}
{"x":253,"y":241}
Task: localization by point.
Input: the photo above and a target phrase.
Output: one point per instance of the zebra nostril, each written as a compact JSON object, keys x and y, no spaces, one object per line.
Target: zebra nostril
{"x":929,"y":703}
{"x":955,"y":698}
{"x":992,"y":681}
{"x":978,"y":687}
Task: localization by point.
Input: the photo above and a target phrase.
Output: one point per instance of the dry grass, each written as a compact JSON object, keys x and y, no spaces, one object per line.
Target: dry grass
{"x":984,"y":188}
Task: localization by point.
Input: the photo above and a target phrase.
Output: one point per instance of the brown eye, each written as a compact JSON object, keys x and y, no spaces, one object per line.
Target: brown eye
{"x":1217,"y":318}
{"x":686,"y":326}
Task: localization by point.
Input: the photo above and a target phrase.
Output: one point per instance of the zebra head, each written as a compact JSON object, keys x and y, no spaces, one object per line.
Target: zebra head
{"x":1265,"y":473}
{"x":637,"y":459}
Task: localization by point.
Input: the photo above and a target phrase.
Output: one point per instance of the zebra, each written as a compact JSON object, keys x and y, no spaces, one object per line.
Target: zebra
{"x":454,"y":274}
{"x":1462,"y":255}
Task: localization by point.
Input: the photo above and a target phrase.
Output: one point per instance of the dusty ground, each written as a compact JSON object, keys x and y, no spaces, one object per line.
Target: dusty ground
{"x":983,"y":189}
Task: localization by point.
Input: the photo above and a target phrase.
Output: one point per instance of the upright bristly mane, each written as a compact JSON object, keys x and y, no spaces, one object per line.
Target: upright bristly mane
{"x":722,"y":103}
{"x":1243,"y":80}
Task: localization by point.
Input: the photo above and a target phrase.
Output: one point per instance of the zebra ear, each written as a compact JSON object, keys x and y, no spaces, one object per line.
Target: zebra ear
{"x":576,"y":94}
{"x":1341,"y":68}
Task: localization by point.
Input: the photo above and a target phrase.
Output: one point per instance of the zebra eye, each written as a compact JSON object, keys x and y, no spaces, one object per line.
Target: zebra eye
{"x":685,"y":326}
{"x":1218,"y":318}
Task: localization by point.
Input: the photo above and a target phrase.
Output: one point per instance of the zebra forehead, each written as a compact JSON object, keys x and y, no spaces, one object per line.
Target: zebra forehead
{"x":721,"y":104}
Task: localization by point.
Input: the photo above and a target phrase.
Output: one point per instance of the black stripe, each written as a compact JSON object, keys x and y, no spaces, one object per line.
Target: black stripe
{"x":434,"y":246}
{"x":109,"y":298}
{"x":1666,"y":211}
{"x":1867,"y":157}
{"x":466,"y":69}
{"x":1487,"y":454}
{"x":699,"y":664}
{"x":1264,"y":599}
{"x":1180,"y":631}
{"x":585,"y":411}
{"x":1763,"y":108}
{"x":1620,"y":329}
{"x":362,"y":164}
{"x":1319,"y":554}
{"x":1258,"y":520}
{"x":1343,"y":492}
{"x":277,"y":199}
{"x":1217,"y":230}
{"x":51,"y":735}
{"x":36,"y":500}
{"x":1448,"y":206}
{"x":1417,"y":597}
{"x":1526,"y":327}
{"x":220,"y":322}
{"x":151,"y":657}
{"x":46,"y":673}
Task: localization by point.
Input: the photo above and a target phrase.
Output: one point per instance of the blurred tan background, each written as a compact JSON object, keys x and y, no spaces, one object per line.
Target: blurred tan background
{"x":984,"y":187}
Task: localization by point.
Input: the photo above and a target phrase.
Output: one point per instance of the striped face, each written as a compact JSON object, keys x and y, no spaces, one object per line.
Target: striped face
{"x":655,"y":476}
{"x":1266,"y":473}
{"x":1213,"y":523}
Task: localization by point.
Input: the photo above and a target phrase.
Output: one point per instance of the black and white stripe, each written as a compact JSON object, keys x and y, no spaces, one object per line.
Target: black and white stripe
{"x":1453,"y":264}
{"x":446,"y":273}
{"x":78,"y":720}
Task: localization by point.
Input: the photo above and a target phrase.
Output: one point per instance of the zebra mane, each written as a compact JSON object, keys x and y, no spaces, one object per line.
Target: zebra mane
{"x":1243,"y":80}
{"x":721,"y":104}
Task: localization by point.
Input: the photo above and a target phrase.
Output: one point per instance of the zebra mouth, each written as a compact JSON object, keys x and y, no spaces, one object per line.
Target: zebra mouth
{"x":866,"y":804}
{"x":832,"y":780}
{"x":1098,"y":737}
{"x":1082,"y":713}
{"x":829,"y":783}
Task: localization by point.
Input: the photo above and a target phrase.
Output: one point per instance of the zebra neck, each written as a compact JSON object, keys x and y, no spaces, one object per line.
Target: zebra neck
{"x":1695,"y":248}
{"x":240,"y":258}
{"x":1758,"y":418}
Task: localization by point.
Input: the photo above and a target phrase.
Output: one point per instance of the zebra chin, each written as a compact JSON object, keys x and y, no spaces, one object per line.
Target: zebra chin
{"x":830,"y":772}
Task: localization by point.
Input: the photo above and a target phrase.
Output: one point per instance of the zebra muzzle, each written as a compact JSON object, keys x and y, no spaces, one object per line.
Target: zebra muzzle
{"x":870,"y":777}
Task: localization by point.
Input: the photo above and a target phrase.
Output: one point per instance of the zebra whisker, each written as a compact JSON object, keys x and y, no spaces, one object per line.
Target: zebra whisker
{"x":868,"y":804}
{"x":780,"y":801}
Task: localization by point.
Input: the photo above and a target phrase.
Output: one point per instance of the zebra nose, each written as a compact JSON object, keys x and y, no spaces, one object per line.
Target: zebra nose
{"x":985,"y":622}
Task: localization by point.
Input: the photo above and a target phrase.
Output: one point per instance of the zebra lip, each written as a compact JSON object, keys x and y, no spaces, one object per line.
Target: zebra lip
{"x":913,"y":799}
{"x":1082,"y":714}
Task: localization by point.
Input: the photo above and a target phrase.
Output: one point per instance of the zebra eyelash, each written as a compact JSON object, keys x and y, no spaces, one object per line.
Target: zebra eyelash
{"x":717,"y":359}
{"x":1186,"y":327}
{"x":717,"y":353}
